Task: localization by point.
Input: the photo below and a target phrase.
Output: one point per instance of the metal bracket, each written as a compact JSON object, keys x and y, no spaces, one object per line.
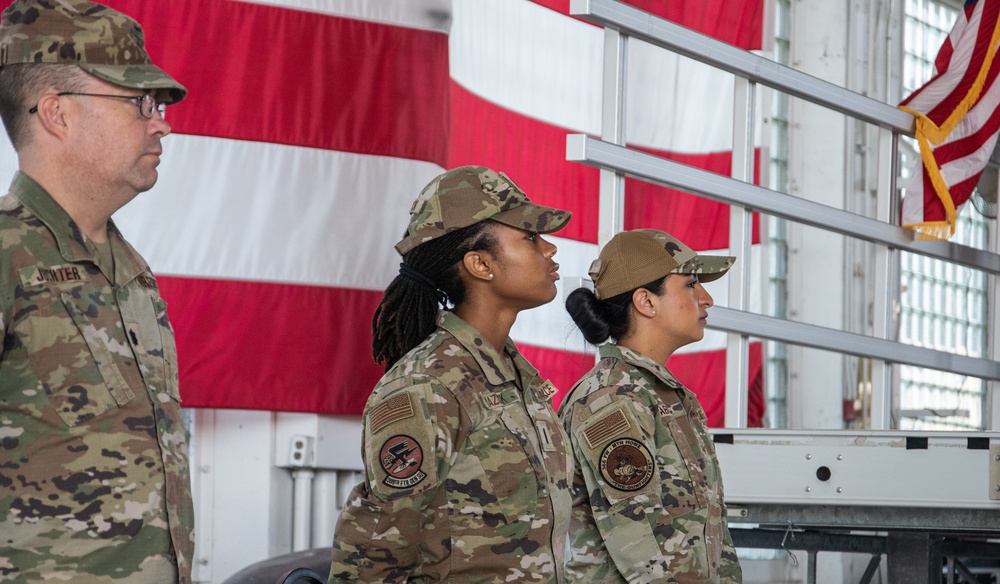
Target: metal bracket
{"x":994,"y":472}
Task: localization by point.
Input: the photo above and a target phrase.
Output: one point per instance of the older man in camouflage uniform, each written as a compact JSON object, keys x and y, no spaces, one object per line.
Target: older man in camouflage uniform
{"x":468,"y":470}
{"x":94,"y":484}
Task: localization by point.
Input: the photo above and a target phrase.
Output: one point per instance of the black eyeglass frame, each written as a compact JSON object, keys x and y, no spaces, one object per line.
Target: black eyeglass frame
{"x":145,"y":100}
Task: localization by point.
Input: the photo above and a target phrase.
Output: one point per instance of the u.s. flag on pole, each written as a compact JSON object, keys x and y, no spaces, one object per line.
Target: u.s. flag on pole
{"x":957,"y":121}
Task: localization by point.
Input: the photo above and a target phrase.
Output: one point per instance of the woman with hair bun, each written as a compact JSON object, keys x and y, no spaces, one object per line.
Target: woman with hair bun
{"x":647,"y":494}
{"x":467,"y":468}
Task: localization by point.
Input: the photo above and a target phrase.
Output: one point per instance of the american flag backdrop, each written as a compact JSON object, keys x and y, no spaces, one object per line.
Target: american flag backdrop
{"x":310,"y":127}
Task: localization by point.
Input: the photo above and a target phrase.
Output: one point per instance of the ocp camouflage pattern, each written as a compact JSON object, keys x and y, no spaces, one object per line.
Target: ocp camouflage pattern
{"x":672,"y":528}
{"x":469,"y":194}
{"x":468,"y":476}
{"x":102,"y":41}
{"x":94,"y":482}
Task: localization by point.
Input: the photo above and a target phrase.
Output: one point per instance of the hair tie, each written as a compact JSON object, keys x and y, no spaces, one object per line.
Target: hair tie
{"x":408,"y":272}
{"x":412,"y":274}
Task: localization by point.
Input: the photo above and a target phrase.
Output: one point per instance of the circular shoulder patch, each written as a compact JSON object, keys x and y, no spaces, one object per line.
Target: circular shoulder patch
{"x":401,"y":457}
{"x":627,"y":465}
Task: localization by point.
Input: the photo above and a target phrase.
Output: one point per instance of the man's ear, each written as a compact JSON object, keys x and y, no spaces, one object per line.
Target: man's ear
{"x":51,"y":115}
{"x":479,"y":265}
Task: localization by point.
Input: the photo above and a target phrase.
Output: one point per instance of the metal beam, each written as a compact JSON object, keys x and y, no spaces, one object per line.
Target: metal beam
{"x":818,"y":337}
{"x":686,"y":42}
{"x":594,"y":152}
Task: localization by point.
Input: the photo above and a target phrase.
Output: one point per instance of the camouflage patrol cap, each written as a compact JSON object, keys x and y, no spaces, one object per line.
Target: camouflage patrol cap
{"x":470,"y":194}
{"x":103,"y":42}
{"x":635,"y":258}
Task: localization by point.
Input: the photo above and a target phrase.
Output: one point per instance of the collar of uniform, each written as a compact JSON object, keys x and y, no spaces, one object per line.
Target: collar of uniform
{"x":493,"y":365}
{"x":74,"y":246}
{"x":642,"y":362}
{"x":36,"y":199}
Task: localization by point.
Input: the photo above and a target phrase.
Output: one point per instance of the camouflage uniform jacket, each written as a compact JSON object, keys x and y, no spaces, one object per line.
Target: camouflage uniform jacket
{"x":647,"y":495}
{"x":468,"y":470}
{"x":94,"y":482}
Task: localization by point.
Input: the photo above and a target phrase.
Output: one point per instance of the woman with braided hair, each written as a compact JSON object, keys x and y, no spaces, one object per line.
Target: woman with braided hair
{"x":467,"y":467}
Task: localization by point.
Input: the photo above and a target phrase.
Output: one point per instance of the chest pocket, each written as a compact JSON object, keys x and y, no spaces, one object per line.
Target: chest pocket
{"x":69,"y":354}
{"x":145,"y":317}
{"x":681,"y":468}
{"x":503,"y":449}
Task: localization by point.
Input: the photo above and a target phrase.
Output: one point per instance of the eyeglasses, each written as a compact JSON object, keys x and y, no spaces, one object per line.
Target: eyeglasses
{"x":146,"y":103}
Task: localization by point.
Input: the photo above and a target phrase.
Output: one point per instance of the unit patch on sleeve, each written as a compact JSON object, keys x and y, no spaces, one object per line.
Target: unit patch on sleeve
{"x":401,"y":457}
{"x":626,"y":464}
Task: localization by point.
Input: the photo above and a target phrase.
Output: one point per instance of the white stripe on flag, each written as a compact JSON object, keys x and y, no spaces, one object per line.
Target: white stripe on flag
{"x":422,"y":14}
{"x":270,"y":212}
{"x":547,"y":66}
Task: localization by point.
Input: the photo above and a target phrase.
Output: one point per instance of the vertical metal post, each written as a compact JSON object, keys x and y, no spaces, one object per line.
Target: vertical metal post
{"x":886,"y":276}
{"x":991,"y":415}
{"x":611,"y":218}
{"x":740,"y":234}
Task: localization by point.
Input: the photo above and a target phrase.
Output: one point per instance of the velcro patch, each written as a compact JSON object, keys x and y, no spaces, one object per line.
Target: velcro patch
{"x":492,"y":400}
{"x":401,"y":457}
{"x":394,"y":409}
{"x":61,"y":274}
{"x":147,"y":282}
{"x":546,"y":390}
{"x":606,"y":428}
{"x":627,"y":465}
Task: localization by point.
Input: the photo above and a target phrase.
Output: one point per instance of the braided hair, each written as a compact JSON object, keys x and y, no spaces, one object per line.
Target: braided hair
{"x":600,"y":320}
{"x":408,"y":311}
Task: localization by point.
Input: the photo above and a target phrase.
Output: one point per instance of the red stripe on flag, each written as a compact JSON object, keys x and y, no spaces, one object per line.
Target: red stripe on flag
{"x":705,"y":371}
{"x":268,"y":346}
{"x":705,"y":374}
{"x":736,"y":23}
{"x":983,"y":36}
{"x":951,"y":151}
{"x":533,"y":153}
{"x":270,"y":74}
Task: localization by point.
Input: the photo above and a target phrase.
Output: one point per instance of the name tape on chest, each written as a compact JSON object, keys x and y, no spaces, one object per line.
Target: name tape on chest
{"x":607,"y":427}
{"x":61,"y":274}
{"x":546,"y":390}
{"x":392,"y":410}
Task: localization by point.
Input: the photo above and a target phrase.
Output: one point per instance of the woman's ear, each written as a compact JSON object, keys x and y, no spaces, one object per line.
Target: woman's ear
{"x":478,"y":264}
{"x":642,"y":301}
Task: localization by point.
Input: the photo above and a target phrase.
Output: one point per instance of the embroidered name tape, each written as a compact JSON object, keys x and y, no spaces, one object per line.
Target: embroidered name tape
{"x":61,"y":274}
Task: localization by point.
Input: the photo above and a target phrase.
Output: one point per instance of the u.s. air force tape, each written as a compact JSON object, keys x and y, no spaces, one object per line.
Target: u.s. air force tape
{"x":626,"y":464}
{"x":401,"y":457}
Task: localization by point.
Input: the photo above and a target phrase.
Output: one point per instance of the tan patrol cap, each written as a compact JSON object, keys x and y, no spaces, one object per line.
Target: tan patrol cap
{"x":102,"y":41}
{"x":635,"y":258}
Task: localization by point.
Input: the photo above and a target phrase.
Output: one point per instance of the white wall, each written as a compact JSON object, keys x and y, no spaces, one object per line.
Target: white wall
{"x":242,"y":469}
